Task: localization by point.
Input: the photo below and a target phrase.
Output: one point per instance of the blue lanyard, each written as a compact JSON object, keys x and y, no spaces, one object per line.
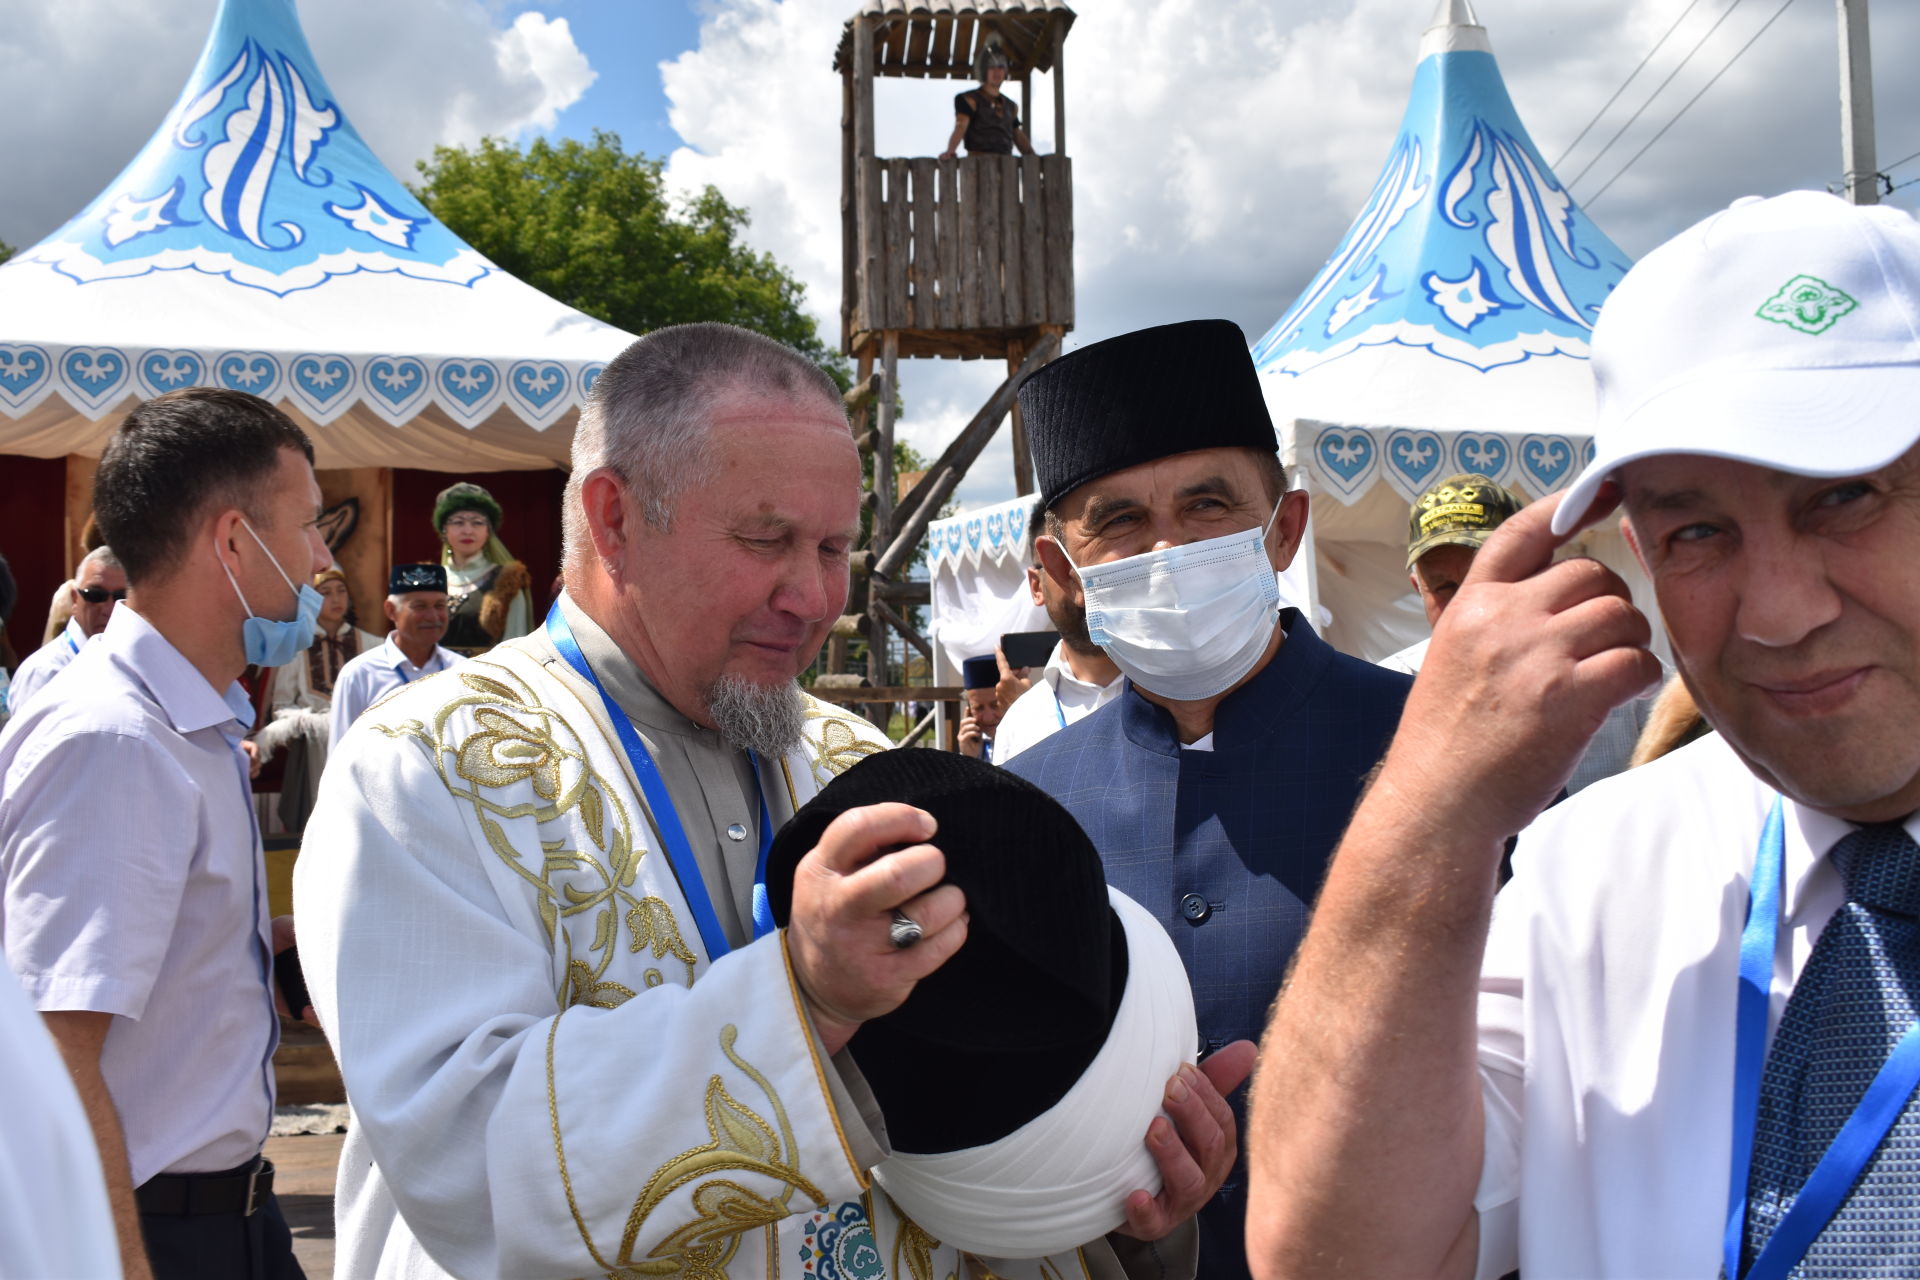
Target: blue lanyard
{"x":406,"y":662}
{"x":1059,"y":712}
{"x":1840,"y":1167}
{"x":665,"y":817}
{"x":72,"y":644}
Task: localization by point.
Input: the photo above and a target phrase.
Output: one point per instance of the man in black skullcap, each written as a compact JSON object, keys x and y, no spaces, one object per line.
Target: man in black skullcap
{"x":980,"y":677}
{"x":1217,"y":784}
{"x":417,"y":608}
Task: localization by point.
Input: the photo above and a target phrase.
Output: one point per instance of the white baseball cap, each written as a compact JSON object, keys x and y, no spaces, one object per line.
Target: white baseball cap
{"x":1783,"y":332}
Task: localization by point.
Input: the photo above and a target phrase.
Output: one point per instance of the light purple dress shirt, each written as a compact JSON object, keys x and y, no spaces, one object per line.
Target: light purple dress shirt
{"x":133,"y":885}
{"x":43,"y":664}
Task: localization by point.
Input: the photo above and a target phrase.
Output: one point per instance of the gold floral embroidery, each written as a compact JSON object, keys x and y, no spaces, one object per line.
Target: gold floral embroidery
{"x":582,"y":989}
{"x":650,"y":921}
{"x":512,"y":739}
{"x":913,"y":1249}
{"x":839,"y":740}
{"x":743,"y":1143}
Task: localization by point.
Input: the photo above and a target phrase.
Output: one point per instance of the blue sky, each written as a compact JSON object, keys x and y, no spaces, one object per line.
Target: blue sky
{"x":626,"y":41}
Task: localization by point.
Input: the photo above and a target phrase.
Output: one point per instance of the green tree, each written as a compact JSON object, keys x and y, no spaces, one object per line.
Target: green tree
{"x":595,"y":227}
{"x":6,"y":251}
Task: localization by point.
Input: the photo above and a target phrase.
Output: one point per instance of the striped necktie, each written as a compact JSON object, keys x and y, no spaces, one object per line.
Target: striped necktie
{"x":1857,"y":996}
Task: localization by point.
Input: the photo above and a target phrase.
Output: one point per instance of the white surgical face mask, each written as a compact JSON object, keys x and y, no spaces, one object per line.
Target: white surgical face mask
{"x":1186,"y":622}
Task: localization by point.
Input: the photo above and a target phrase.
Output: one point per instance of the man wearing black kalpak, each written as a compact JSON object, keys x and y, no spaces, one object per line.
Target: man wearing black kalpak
{"x":1217,"y":783}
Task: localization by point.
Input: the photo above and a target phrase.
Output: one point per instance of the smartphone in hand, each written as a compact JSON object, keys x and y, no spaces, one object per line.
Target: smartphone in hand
{"x":292,"y":982}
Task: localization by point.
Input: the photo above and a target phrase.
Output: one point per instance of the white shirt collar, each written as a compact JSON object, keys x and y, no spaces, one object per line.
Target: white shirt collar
{"x":397,"y":658}
{"x":184,"y":695}
{"x":1057,"y":670}
{"x":1810,"y":836}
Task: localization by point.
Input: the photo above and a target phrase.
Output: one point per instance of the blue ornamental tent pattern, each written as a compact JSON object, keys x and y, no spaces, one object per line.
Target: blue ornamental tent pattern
{"x":1448,"y":331}
{"x":256,"y":242}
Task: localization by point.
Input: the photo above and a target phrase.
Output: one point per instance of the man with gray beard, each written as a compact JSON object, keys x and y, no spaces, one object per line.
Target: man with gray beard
{"x":538,"y":934}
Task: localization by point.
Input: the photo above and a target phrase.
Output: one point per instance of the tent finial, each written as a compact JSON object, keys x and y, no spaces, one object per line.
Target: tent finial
{"x":1454,"y":28}
{"x":1454,"y":13}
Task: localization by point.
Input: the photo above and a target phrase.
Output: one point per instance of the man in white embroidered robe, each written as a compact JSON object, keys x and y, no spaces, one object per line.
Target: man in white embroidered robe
{"x":553,"y":1070}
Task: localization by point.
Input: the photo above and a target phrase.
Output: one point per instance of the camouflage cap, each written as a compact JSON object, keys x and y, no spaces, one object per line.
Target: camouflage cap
{"x":1460,"y":511}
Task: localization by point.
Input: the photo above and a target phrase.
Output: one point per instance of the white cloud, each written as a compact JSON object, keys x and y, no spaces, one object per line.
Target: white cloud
{"x":540,"y":51}
{"x":84,"y":83}
{"x":1221,"y":147}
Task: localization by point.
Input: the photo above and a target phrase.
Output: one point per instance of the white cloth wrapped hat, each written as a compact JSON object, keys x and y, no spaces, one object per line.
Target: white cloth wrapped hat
{"x":1017,"y":1081}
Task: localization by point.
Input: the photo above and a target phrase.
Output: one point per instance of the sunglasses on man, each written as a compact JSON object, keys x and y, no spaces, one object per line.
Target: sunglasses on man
{"x":100,"y":595}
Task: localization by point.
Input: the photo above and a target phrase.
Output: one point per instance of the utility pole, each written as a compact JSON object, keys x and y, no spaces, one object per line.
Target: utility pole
{"x":1856,"y":105}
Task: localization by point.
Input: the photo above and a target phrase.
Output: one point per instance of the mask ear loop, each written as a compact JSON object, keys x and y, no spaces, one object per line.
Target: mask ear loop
{"x":1278,"y":503}
{"x":245,"y":524}
{"x":231,"y":581}
{"x":1265,"y":529}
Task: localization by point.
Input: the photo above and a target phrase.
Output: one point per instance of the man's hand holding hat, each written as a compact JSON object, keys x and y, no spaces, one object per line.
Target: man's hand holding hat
{"x":845,"y":893}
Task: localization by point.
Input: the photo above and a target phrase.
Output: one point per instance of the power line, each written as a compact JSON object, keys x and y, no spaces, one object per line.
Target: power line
{"x":1897,"y":163}
{"x":1697,"y":45}
{"x":1691,"y":6}
{"x":1785,"y":5}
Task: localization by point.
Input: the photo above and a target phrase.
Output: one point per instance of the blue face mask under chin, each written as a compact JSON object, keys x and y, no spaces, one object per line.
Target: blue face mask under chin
{"x":270,"y":643}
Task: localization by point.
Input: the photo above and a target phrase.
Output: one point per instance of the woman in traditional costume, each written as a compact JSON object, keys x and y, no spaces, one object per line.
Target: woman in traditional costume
{"x":486,"y":586}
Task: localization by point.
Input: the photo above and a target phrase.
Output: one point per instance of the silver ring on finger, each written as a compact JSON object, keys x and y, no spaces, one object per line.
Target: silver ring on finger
{"x":903,"y":930}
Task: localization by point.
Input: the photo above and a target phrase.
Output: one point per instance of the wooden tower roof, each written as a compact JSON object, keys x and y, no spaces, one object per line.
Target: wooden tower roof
{"x":940,"y":39}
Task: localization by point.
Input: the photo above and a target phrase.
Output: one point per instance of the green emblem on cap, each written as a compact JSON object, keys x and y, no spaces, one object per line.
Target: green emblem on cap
{"x":1806,"y":303}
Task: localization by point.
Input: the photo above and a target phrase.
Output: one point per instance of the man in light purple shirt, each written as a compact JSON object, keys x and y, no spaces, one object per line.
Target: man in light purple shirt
{"x":134,"y":907}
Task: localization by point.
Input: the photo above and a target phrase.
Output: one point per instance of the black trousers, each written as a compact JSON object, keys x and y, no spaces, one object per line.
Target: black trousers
{"x":221,"y":1246}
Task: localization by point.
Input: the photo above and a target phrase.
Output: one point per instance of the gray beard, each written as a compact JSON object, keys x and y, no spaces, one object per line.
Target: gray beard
{"x":758,"y":718}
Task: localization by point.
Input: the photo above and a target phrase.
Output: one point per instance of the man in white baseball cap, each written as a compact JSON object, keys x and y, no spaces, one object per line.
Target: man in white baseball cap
{"x":1684,"y":1039}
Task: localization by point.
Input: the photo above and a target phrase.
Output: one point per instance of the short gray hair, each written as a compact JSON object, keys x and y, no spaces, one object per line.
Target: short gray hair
{"x":102,"y":556}
{"x":648,"y":414}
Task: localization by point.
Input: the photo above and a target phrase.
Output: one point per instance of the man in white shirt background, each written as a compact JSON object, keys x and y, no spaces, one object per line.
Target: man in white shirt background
{"x":417,"y":607}
{"x":98,"y":584}
{"x":135,"y":905}
{"x":1684,"y":1038}
{"x":1079,"y":677}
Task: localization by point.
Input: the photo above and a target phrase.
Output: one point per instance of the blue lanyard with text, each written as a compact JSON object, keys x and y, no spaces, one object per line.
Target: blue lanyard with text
{"x":665,"y":817}
{"x":1852,"y":1148}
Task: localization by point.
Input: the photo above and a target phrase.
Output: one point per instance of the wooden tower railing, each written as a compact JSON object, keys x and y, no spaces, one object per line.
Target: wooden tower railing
{"x":959,"y":255}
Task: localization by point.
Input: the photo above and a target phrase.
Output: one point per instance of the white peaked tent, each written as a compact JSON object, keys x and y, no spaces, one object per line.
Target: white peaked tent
{"x":256,"y":243}
{"x":1448,"y":332}
{"x":977,"y":565}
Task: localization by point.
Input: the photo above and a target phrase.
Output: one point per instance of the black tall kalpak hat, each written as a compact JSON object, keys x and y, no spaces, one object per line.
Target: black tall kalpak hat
{"x":1004,"y":1029}
{"x":1142,"y":396}
{"x":1017,"y":1080}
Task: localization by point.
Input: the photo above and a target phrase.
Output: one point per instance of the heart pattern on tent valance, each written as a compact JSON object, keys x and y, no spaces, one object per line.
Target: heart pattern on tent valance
{"x":1348,"y":461}
{"x":322,"y":385}
{"x":996,"y":535}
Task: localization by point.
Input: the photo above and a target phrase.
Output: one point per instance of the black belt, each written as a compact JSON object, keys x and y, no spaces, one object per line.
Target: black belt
{"x":242,"y":1191}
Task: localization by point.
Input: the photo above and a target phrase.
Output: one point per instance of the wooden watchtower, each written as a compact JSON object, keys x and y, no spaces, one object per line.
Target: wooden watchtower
{"x":968,"y":258}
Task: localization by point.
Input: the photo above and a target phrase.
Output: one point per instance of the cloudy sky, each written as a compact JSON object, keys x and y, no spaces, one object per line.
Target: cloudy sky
{"x":1220,"y":146}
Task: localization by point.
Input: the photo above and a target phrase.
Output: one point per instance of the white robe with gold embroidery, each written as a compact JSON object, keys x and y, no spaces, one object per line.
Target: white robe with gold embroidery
{"x":549,"y":1077}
